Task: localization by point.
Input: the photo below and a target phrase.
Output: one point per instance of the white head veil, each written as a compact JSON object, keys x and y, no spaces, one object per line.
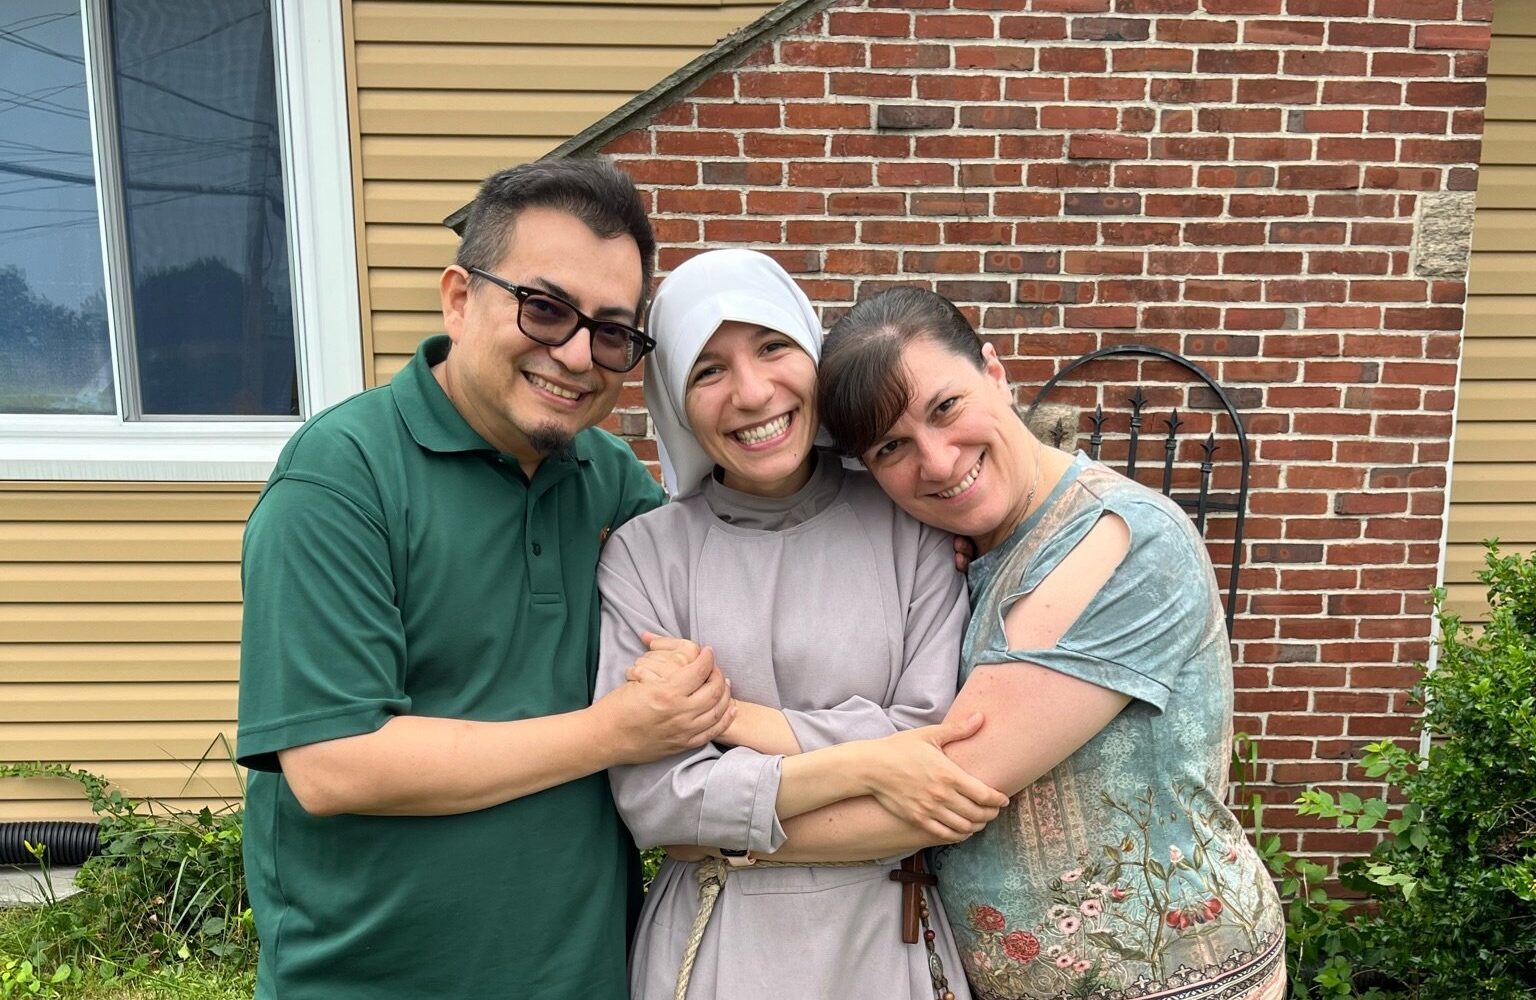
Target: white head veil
{"x":716,"y":287}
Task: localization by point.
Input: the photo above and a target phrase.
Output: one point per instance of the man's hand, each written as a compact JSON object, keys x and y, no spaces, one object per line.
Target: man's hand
{"x":674,"y":699}
{"x":909,"y":775}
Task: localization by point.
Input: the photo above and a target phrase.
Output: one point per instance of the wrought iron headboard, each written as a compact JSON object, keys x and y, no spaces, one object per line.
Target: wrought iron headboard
{"x":1200,"y":504}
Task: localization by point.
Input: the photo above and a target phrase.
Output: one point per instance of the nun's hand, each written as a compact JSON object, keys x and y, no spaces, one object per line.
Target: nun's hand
{"x":909,"y":775}
{"x":663,"y":655}
{"x":965,"y":552}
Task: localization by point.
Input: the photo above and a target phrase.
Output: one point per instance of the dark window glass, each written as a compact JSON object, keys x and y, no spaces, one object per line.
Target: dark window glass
{"x":203,"y":185}
{"x":55,"y":353}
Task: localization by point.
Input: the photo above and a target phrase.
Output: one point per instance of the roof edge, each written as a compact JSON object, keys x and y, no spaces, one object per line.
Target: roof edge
{"x":644,"y":106}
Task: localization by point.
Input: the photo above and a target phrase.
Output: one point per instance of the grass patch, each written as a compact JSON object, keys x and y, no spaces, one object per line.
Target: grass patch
{"x":189,"y":981}
{"x":161,"y":912}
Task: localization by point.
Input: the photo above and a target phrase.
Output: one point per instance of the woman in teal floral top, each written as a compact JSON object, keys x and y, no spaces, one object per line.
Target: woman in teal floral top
{"x":1097,"y":652}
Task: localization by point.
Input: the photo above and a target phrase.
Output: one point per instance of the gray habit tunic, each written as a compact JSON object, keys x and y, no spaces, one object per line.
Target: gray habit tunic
{"x":845,"y":613}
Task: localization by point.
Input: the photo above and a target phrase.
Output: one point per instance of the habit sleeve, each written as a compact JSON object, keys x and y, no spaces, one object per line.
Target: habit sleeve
{"x":707,"y":796}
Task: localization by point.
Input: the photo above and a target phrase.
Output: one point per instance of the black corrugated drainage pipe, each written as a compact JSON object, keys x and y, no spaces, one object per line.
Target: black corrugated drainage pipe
{"x":68,"y":843}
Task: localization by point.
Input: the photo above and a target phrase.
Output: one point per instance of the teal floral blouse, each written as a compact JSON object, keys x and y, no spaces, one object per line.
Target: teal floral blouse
{"x":1121,"y":873}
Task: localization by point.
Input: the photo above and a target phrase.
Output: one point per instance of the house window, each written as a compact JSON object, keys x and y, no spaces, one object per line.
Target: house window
{"x":164,"y":166}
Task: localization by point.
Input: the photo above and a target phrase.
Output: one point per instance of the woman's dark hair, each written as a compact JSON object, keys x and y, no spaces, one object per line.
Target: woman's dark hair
{"x":595,"y":191}
{"x":862,"y":384}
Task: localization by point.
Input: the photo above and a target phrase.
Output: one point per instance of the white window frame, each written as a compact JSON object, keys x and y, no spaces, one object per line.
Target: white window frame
{"x":317,"y":166}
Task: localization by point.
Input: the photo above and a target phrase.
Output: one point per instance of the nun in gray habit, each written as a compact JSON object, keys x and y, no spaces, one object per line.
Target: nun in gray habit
{"x":829,"y":605}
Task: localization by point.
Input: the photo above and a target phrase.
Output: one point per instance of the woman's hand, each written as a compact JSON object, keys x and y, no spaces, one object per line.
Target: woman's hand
{"x":913,"y":780}
{"x":663,"y":655}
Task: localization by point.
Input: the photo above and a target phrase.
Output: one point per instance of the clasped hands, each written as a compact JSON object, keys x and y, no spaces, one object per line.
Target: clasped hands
{"x":673,"y":700}
{"x":907,"y":773}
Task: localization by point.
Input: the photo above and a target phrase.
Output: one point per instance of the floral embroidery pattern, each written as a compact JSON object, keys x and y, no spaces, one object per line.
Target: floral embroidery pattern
{"x":1128,"y":916}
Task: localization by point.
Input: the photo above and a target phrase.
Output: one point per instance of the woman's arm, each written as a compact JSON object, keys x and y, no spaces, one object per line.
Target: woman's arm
{"x":764,"y":729}
{"x":1036,"y":717}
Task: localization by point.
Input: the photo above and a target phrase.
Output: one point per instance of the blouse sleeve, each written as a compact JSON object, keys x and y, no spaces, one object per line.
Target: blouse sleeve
{"x":933,"y":626}
{"x":1144,"y":624}
{"x":706,"y":796}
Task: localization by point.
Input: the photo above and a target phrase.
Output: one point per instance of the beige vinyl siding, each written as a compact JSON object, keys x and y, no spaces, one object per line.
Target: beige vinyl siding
{"x":1493,"y":486}
{"x":448,"y":93}
{"x":119,"y":604}
{"x":119,"y":638}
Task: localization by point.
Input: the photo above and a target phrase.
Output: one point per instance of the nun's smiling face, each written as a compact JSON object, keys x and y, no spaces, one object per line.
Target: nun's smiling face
{"x":751,"y":403}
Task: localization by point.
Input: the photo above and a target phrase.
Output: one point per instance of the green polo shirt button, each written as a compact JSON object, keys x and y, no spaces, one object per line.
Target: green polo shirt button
{"x":538,"y":550}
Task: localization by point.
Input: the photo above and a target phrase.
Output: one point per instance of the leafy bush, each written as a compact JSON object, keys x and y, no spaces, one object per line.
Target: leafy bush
{"x":167,"y":889}
{"x":1449,"y":895}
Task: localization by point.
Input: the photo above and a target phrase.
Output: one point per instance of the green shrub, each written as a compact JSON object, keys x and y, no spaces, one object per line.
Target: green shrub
{"x":1449,"y":895}
{"x":167,"y":889}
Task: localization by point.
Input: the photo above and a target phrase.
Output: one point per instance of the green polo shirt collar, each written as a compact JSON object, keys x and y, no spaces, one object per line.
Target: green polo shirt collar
{"x":435,"y":423}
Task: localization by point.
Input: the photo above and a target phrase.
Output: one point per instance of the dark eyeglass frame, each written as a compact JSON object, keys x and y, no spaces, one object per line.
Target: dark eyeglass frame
{"x":583,"y":322}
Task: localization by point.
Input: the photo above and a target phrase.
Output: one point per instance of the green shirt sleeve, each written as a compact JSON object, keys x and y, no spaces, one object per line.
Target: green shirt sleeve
{"x":322,"y":651}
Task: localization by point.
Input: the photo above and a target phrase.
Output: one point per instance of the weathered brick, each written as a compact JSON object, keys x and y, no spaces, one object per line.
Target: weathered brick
{"x":958,"y":88}
{"x":1308,"y":62}
{"x":1287,"y":32}
{"x":940,"y":261}
{"x":1153,"y":60}
{"x":1114,"y":203}
{"x":1022,"y":261}
{"x":870,"y":84}
{"x":1087,"y":146}
{"x":902,"y":55}
{"x":797,"y":52}
{"x":1033,"y":28}
{"x":953,"y":26}
{"x":786,"y":202}
{"x":913,"y":116}
{"x":1307,"y":232}
{"x":831,"y":175}
{"x":1184,"y":205}
{"x":1199,"y":31}
{"x":994,"y":57}
{"x":1286,"y":552}
{"x":1423,"y":93}
{"x":1053,"y":291}
{"x":814,"y":231}
{"x":1106,"y":88}
{"x":1452,"y":36}
{"x":1138,"y":175}
{"x":970,"y":203}
{"x":1271,"y":148}
{"x":899,"y":232}
{"x":827,"y":116}
{"x":1111,"y":29}
{"x":866,"y":203}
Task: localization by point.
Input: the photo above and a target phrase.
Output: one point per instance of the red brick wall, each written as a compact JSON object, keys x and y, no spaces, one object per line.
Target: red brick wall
{"x":1237,"y":180}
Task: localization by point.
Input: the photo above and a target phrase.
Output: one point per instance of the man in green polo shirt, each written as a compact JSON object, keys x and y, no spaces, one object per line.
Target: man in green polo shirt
{"x":427,"y":814}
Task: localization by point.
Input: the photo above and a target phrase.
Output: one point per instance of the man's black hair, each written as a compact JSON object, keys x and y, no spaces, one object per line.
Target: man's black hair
{"x":595,"y":191}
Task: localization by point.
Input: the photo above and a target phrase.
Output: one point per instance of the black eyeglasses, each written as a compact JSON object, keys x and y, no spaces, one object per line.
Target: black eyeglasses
{"x":552,"y":321}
